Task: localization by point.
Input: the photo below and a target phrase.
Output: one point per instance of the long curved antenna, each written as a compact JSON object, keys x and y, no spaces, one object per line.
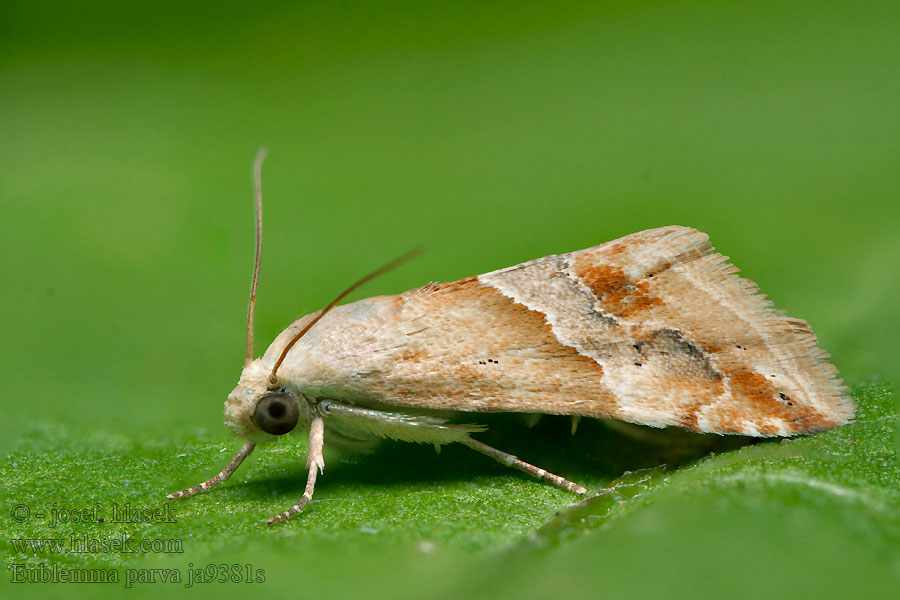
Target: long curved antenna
{"x":257,"y":193}
{"x":273,"y":376}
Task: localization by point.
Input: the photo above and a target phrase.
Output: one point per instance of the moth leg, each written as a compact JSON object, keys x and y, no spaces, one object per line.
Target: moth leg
{"x":365,"y":423}
{"x":511,"y":461}
{"x":224,"y":474}
{"x":428,"y":430}
{"x":315,"y":462}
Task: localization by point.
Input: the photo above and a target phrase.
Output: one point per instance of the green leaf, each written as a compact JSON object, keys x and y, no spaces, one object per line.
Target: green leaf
{"x":812,"y":513}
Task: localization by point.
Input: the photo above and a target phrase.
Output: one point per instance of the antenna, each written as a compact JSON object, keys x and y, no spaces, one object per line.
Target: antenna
{"x":273,"y":376}
{"x":257,"y":193}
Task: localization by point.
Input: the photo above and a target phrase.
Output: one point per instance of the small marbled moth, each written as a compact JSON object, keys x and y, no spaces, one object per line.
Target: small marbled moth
{"x":654,"y":328}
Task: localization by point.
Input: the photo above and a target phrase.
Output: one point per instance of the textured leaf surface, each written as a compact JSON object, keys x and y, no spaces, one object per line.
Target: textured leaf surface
{"x":814,"y":513}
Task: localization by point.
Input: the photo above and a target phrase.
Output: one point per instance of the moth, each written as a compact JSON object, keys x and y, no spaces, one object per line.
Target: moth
{"x":654,"y":328}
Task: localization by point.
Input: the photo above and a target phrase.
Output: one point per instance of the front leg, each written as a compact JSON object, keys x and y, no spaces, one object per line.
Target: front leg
{"x":429,"y":430}
{"x":215,"y":480}
{"x":315,"y":462}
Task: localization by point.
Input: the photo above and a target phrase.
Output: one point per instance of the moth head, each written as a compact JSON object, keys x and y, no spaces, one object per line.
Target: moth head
{"x":256,"y":411}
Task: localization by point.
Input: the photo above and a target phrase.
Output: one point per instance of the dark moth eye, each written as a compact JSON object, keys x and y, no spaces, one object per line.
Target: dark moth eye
{"x":277,"y":413}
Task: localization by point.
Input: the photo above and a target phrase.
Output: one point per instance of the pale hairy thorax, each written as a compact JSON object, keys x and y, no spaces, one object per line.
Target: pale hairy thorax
{"x":654,"y":328}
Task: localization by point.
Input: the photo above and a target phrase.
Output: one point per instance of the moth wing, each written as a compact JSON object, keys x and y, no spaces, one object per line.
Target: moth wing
{"x":683,"y":340}
{"x":654,"y":328}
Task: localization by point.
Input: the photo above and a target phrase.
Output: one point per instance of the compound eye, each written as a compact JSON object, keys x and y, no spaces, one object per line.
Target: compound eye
{"x":277,"y":413}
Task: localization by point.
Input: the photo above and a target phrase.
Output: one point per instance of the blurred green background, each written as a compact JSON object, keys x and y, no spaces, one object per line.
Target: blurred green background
{"x":492,"y":133}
